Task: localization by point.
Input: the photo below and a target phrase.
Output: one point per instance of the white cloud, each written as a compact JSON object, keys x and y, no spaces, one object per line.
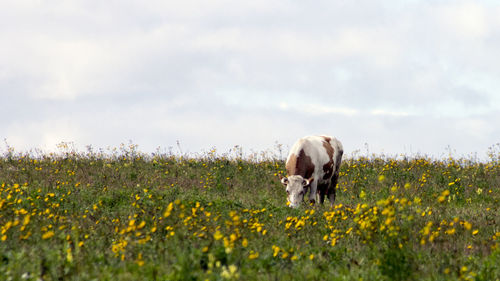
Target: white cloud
{"x":45,"y":134}
{"x":464,"y":19}
{"x":382,"y":112}
{"x":317,"y":109}
{"x":224,"y":72}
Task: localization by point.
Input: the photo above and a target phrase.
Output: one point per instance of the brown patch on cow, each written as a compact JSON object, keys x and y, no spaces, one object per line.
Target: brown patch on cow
{"x":328,"y":167}
{"x":327,"y":139}
{"x":300,"y":165}
{"x":328,"y":147}
{"x":328,"y":170}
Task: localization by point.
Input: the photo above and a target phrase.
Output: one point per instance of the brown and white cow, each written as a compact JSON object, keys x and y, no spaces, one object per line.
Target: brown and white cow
{"x":314,"y":162}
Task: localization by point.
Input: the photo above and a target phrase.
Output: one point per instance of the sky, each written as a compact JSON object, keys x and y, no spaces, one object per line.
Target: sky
{"x":387,"y":77}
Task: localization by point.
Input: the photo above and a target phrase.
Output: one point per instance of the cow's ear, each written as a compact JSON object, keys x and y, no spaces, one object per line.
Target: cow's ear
{"x":284,"y":180}
{"x":308,"y":181}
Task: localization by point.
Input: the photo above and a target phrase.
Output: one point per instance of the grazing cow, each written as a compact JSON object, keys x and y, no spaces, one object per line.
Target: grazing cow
{"x":313,"y":162}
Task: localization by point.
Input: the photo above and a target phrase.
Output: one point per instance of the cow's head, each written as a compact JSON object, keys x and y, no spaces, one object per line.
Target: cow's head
{"x":296,"y":187}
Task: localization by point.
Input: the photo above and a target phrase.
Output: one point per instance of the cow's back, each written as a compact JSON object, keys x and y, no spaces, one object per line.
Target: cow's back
{"x":314,"y":156}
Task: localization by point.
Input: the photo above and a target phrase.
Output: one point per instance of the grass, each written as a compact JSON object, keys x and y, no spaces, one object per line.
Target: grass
{"x":125,"y":215}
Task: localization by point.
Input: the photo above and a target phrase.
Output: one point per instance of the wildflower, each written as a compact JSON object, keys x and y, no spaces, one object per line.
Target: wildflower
{"x":427,"y":228}
{"x":467,"y":225}
{"x":381,"y":178}
{"x":362,"y":194}
{"x":476,"y":231}
{"x":230,"y":272}
{"x":168,"y":211}
{"x":276,"y":250}
{"x":141,"y":224}
{"x":244,"y":243}
{"x":450,"y":231}
{"x":119,"y":246}
{"x":333,"y":242}
{"x":48,"y":235}
{"x":139,"y":260}
{"x":69,"y":255}
{"x":253,"y":255}
{"x":218,"y":235}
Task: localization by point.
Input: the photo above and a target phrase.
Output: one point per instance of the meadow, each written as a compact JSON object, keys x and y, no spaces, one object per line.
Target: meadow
{"x":125,"y":215}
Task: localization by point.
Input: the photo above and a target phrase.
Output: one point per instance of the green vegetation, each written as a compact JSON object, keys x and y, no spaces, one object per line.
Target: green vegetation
{"x":124,"y":215}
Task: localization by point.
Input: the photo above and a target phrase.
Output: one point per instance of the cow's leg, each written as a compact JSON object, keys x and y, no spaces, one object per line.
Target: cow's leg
{"x":322,"y":190}
{"x":312,"y":193}
{"x":332,"y":188}
{"x":333,"y":185}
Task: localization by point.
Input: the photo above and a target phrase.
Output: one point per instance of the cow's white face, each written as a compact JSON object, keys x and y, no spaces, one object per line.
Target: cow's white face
{"x":296,"y":187}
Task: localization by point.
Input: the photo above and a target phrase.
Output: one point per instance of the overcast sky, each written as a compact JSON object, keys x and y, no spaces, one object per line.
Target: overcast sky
{"x":412,"y":77}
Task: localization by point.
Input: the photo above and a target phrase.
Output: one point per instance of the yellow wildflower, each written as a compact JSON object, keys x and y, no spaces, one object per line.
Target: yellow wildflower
{"x":276,"y":250}
{"x":218,"y":235}
{"x":253,"y":255}
{"x":450,"y":231}
{"x":141,"y":224}
{"x":139,"y":260}
{"x":467,"y":225}
{"x":362,"y":194}
{"x":230,"y":272}
{"x":48,"y":235}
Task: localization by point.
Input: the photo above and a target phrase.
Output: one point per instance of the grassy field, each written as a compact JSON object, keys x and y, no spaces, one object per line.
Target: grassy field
{"x":123,"y":215}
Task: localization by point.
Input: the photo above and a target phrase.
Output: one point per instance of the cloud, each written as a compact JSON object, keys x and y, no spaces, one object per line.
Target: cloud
{"x":219,"y":73}
{"x":465,"y":20}
{"x":45,"y":134}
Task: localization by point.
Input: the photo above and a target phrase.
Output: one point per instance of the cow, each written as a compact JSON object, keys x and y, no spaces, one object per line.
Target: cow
{"x":313,"y":163}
